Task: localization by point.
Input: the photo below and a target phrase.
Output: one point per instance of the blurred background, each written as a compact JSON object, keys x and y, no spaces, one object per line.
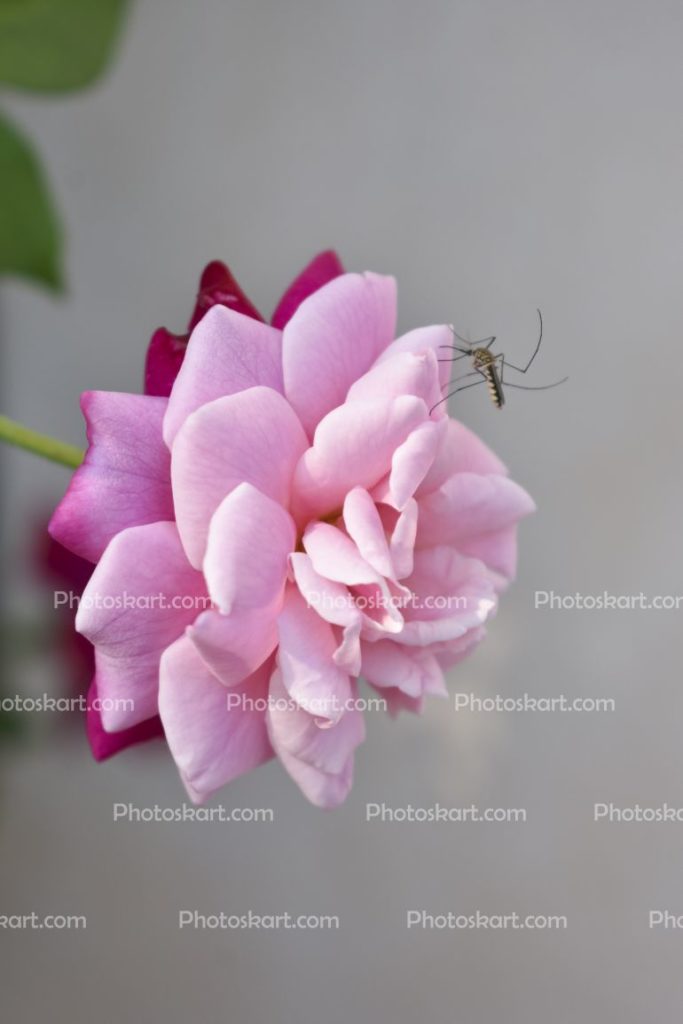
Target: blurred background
{"x":495,"y":157}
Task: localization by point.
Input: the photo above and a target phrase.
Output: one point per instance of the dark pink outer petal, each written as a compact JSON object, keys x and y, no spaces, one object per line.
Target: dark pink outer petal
{"x":166,"y":350}
{"x":164,"y":358}
{"x":125,"y":477}
{"x":106,"y":744}
{"x":323,"y":268}
{"x":218,"y":287}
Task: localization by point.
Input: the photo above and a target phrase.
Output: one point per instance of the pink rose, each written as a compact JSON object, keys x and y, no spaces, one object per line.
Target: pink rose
{"x":299,"y":513}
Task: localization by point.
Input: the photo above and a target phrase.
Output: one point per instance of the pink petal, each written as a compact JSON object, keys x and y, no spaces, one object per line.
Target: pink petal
{"x":335,"y":556}
{"x":126,"y":612}
{"x":364,"y":526}
{"x":212,"y":743}
{"x":498,"y":550}
{"x":332,"y":602}
{"x":353,"y":447}
{"x":403,"y":530}
{"x":461,"y":452}
{"x":425,"y":339}
{"x":251,"y":437}
{"x":124,"y":480}
{"x":227,"y":353}
{"x":468,"y":505}
{"x":322,"y":269}
{"x":396,"y":700}
{"x":452,"y":595}
{"x":412,"y":460}
{"x":235,"y":645}
{"x":332,"y":339}
{"x":324,"y":789}
{"x":250,"y":539}
{"x":406,"y":373}
{"x":380,"y":609}
{"x":106,"y":744}
{"x":390,"y":664}
{"x":451,"y":652}
{"x":306,"y":660}
{"x":319,"y":760}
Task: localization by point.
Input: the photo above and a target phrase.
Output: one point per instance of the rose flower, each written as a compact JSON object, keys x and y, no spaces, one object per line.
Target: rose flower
{"x":299,"y":513}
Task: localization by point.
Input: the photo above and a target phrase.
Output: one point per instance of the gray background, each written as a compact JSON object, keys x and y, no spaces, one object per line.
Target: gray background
{"x":495,"y":157}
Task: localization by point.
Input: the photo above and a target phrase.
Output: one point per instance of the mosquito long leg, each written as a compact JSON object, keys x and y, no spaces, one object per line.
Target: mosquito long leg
{"x":484,"y":343}
{"x":457,"y":380}
{"x":525,"y":387}
{"x":463,"y":388}
{"x":453,"y":359}
{"x":539,"y":387}
{"x":535,"y":351}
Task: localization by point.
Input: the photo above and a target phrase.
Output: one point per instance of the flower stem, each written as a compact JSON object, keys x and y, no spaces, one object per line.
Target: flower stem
{"x":57,"y":451}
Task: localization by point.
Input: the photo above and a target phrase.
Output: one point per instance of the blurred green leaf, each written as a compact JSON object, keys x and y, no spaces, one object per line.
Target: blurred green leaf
{"x":30,"y":236}
{"x":56,"y":45}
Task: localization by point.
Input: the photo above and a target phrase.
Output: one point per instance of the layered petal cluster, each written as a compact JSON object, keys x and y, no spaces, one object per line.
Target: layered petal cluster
{"x":299,"y":513}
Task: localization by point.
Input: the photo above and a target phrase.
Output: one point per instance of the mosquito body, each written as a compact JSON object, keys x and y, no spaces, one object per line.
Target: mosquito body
{"x":486,"y":364}
{"x":490,"y":367}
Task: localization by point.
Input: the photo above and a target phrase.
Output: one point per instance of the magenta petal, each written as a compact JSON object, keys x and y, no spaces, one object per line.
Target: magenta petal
{"x":106,"y":744}
{"x":218,"y":287}
{"x":323,"y":268}
{"x":165,"y":355}
{"x":125,"y":478}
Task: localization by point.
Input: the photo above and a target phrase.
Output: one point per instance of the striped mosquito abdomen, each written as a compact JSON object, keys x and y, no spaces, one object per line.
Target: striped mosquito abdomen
{"x":486,"y":364}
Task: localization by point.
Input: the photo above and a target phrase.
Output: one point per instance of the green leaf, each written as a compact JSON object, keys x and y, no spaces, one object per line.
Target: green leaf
{"x":56,"y":45}
{"x":30,"y":235}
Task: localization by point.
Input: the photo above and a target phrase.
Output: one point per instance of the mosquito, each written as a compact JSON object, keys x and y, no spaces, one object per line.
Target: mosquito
{"x":490,"y":367}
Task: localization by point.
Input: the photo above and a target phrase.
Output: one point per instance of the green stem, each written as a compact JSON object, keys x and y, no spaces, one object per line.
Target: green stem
{"x":57,"y":451}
